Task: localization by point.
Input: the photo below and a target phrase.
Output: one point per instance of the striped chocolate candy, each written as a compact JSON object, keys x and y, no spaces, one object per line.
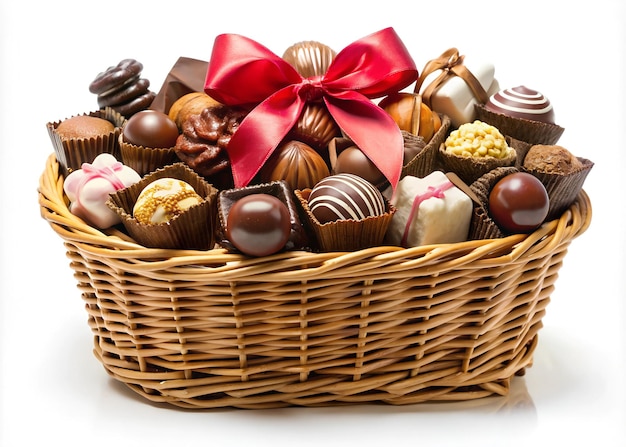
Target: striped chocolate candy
{"x":344,"y":197}
{"x":522,"y":102}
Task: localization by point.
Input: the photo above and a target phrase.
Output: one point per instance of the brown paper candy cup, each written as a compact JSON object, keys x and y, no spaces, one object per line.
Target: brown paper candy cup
{"x":469,"y":169}
{"x":562,"y":188}
{"x":533,"y":132}
{"x":346,"y":235}
{"x":482,"y":226}
{"x":426,"y":161}
{"x":145,"y":159}
{"x":71,"y":153}
{"x":193,"y":229}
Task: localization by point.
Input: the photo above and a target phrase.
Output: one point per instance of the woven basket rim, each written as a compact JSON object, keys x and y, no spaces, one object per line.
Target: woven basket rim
{"x":208,"y":329}
{"x":116,"y":244}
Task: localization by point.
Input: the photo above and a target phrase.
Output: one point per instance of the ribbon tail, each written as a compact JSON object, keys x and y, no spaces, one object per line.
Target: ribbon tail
{"x":261,"y":132}
{"x":373,"y":131}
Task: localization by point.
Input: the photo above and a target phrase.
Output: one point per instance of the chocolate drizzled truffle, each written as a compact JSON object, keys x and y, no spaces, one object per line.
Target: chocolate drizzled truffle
{"x":522,"y":102}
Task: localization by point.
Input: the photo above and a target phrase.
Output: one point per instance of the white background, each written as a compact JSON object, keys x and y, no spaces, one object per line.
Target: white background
{"x":52,"y":388}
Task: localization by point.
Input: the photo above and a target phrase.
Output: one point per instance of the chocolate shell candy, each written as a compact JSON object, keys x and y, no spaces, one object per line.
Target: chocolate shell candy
{"x":522,"y":102}
{"x":309,"y":58}
{"x":316,"y":127}
{"x":297,"y":163}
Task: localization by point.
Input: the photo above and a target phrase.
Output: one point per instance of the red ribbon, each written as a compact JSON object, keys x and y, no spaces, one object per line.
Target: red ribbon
{"x":242,"y":72}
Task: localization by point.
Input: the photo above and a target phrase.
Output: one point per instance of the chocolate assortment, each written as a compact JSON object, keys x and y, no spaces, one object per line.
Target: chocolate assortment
{"x":301,"y":154}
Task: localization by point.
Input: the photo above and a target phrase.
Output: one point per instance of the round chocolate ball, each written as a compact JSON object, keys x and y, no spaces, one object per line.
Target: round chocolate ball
{"x":519,"y":203}
{"x":345,"y":197}
{"x":522,"y":102}
{"x":258,"y":224}
{"x":352,"y":160}
{"x":150,"y":128}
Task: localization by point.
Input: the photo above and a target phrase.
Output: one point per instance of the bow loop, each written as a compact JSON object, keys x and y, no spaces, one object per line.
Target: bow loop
{"x":243,"y":72}
{"x":108,"y":173}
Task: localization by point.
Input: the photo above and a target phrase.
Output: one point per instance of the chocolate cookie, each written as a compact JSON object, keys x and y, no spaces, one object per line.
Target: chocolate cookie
{"x":122,"y":88}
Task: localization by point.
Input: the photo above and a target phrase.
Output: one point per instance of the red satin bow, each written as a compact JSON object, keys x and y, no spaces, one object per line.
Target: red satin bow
{"x":242,"y":72}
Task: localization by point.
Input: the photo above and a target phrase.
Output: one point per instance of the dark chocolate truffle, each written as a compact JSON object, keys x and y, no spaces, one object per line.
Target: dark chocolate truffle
{"x":150,"y":128}
{"x":522,"y":102}
{"x":258,"y":224}
{"x":345,"y":197}
{"x":519,"y":203}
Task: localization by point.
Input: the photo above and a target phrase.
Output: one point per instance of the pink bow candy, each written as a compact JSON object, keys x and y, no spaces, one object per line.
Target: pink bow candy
{"x":88,"y":197}
{"x":242,"y":72}
{"x":431,"y":192}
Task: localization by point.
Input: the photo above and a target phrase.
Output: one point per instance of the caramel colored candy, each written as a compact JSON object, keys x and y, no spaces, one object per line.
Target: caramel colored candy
{"x":164,"y":199}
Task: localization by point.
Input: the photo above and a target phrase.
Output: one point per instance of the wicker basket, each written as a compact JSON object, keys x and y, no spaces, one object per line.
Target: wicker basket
{"x":206,"y":329}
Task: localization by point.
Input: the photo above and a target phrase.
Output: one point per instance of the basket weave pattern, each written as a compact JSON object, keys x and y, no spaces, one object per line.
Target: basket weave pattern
{"x":207,"y":329}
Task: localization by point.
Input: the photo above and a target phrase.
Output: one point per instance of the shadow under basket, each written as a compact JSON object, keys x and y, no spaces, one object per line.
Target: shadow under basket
{"x":210,"y":329}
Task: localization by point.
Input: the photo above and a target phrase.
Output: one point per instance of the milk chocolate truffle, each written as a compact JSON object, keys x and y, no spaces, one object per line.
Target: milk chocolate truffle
{"x":163,"y":199}
{"x":551,"y":159}
{"x":150,"y":128}
{"x":522,"y":102}
{"x":81,"y":138}
{"x":84,"y":126}
{"x":345,"y":197}
{"x":352,"y":160}
{"x":258,"y":224}
{"x":297,"y":163}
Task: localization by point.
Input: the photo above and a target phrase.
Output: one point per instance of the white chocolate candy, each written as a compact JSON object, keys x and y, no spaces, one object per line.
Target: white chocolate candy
{"x":89,"y":188}
{"x":429,"y":210}
{"x":164,"y":199}
{"x":455,"y":99}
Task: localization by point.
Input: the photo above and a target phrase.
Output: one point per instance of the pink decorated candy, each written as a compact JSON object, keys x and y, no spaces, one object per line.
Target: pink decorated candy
{"x":89,"y":188}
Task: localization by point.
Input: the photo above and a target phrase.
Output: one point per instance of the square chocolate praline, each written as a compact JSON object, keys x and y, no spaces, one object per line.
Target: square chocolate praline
{"x":298,"y":239}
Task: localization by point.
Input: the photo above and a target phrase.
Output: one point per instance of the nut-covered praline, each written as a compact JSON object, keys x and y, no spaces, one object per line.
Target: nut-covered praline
{"x":522,"y":102}
{"x":150,"y":128}
{"x":258,"y":224}
{"x":163,"y":199}
{"x":345,"y":197}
